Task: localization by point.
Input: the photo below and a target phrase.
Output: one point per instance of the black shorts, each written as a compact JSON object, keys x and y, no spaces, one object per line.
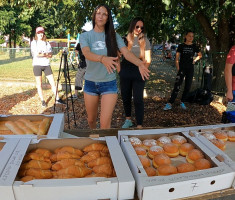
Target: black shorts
{"x":37,"y":70}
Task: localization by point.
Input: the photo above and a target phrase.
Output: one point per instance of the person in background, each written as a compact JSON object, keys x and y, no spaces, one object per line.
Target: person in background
{"x":81,"y":70}
{"x":131,"y":81}
{"x":184,"y":62}
{"x":100,"y":47}
{"x":229,"y":73}
{"x":42,"y":52}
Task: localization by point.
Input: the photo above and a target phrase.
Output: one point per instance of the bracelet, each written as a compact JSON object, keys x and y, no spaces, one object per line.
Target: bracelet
{"x":100,"y":60}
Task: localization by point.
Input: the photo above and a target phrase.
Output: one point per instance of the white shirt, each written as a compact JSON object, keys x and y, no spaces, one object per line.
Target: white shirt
{"x":38,"y":46}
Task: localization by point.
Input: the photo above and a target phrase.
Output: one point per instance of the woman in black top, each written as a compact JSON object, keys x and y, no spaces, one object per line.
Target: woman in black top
{"x":184,"y":62}
{"x":131,"y":81}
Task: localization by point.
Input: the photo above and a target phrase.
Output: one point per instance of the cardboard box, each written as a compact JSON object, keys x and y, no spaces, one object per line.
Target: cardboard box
{"x":229,"y":154}
{"x":11,"y":168}
{"x":56,"y":127}
{"x":219,"y":177}
{"x":7,"y":146}
{"x":120,"y":187}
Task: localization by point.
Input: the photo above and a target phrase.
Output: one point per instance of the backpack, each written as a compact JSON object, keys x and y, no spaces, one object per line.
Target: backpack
{"x":200,"y":96}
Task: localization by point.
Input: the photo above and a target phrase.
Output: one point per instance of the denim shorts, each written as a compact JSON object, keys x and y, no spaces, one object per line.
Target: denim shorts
{"x":100,"y":88}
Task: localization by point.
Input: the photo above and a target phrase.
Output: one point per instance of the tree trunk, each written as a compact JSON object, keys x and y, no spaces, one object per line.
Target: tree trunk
{"x":218,"y":83}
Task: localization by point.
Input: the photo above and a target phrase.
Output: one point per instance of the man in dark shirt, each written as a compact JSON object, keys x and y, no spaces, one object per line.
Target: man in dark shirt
{"x":184,"y":62}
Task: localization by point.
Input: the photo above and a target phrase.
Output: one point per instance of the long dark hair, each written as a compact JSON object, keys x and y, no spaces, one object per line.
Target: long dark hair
{"x":110,"y":35}
{"x":141,"y":38}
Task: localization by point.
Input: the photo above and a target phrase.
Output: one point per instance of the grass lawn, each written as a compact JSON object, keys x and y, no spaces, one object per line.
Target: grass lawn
{"x":19,"y":67}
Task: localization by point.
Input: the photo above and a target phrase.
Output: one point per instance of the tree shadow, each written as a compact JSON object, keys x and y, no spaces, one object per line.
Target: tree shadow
{"x":11,"y":60}
{"x":9,"y":101}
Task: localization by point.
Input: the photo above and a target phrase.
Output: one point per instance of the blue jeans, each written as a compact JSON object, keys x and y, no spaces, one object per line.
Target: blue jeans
{"x":100,"y":88}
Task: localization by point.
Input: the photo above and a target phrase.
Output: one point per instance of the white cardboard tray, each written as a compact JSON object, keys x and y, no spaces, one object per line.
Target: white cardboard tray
{"x":120,"y":187}
{"x":219,"y":177}
{"x":56,"y":127}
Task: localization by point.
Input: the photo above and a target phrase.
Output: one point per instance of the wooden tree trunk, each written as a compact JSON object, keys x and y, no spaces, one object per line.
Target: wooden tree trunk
{"x":218,"y":83}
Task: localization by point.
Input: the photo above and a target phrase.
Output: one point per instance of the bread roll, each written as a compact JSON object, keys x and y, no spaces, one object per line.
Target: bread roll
{"x":209,"y":136}
{"x":104,"y":169}
{"x":150,"y":171}
{"x":140,"y":151}
{"x":92,"y":155}
{"x":35,"y":156}
{"x":185,"y":167}
{"x":161,"y":159}
{"x":96,"y":147}
{"x":231,"y":136}
{"x":155,"y":150}
{"x":163,"y":140}
{"x":76,"y":171}
{"x":165,"y":170}
{"x":144,"y":161}
{"x":37,"y":173}
{"x":219,"y":143}
{"x":194,"y":155}
{"x":62,"y":164}
{"x":63,"y":155}
{"x":99,"y":161}
{"x":27,"y":178}
{"x":178,"y":140}
{"x":69,"y":149}
{"x":202,"y":164}
{"x":36,"y":164}
{"x":185,"y":148}
{"x":221,"y":135}
{"x":43,"y":126}
{"x":2,"y":126}
{"x":14,"y":128}
{"x":25,"y":128}
{"x":171,"y":149}
{"x":148,"y":143}
{"x":135,"y":142}
{"x":44,"y":152}
{"x":29,"y":124}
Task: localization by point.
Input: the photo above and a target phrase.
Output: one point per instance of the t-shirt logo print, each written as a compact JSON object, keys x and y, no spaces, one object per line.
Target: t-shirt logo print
{"x":98,"y":45}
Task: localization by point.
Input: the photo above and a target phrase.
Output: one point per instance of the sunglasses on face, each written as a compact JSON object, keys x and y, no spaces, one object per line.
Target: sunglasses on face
{"x":141,"y":27}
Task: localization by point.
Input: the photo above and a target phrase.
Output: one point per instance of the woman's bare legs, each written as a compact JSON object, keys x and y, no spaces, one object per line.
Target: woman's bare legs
{"x":39,"y":86}
{"x":108,"y":102}
{"x":91,"y":103}
{"x":52,"y":83}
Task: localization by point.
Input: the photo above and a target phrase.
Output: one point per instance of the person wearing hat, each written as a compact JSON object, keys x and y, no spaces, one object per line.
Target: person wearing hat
{"x":42,"y":52}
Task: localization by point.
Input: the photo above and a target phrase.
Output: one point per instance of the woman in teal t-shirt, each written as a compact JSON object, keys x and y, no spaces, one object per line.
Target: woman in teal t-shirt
{"x":100,"y":47}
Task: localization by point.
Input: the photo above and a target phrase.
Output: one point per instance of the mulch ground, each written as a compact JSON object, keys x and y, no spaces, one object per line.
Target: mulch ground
{"x":21,"y":99}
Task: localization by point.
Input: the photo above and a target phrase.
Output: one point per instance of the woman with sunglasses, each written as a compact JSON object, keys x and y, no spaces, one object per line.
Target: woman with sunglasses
{"x":100,"y":47}
{"x":130,"y":78}
{"x":42,"y":52}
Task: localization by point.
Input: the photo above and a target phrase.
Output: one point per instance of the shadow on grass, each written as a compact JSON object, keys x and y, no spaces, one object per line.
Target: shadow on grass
{"x":2,"y":62}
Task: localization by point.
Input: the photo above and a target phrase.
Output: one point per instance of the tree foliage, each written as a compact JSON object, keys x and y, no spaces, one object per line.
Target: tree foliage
{"x":213,"y":21}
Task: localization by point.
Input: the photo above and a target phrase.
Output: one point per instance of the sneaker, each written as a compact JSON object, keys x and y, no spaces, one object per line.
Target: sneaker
{"x":167,"y":107}
{"x":44,"y":104}
{"x":182,"y":105}
{"x":60,"y":101}
{"x":127,"y":124}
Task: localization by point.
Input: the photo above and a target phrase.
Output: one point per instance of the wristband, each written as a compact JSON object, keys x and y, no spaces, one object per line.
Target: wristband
{"x":101,"y":58}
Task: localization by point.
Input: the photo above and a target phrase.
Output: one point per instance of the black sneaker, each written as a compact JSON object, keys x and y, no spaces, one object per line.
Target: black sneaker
{"x":44,"y":104}
{"x":60,"y":101}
